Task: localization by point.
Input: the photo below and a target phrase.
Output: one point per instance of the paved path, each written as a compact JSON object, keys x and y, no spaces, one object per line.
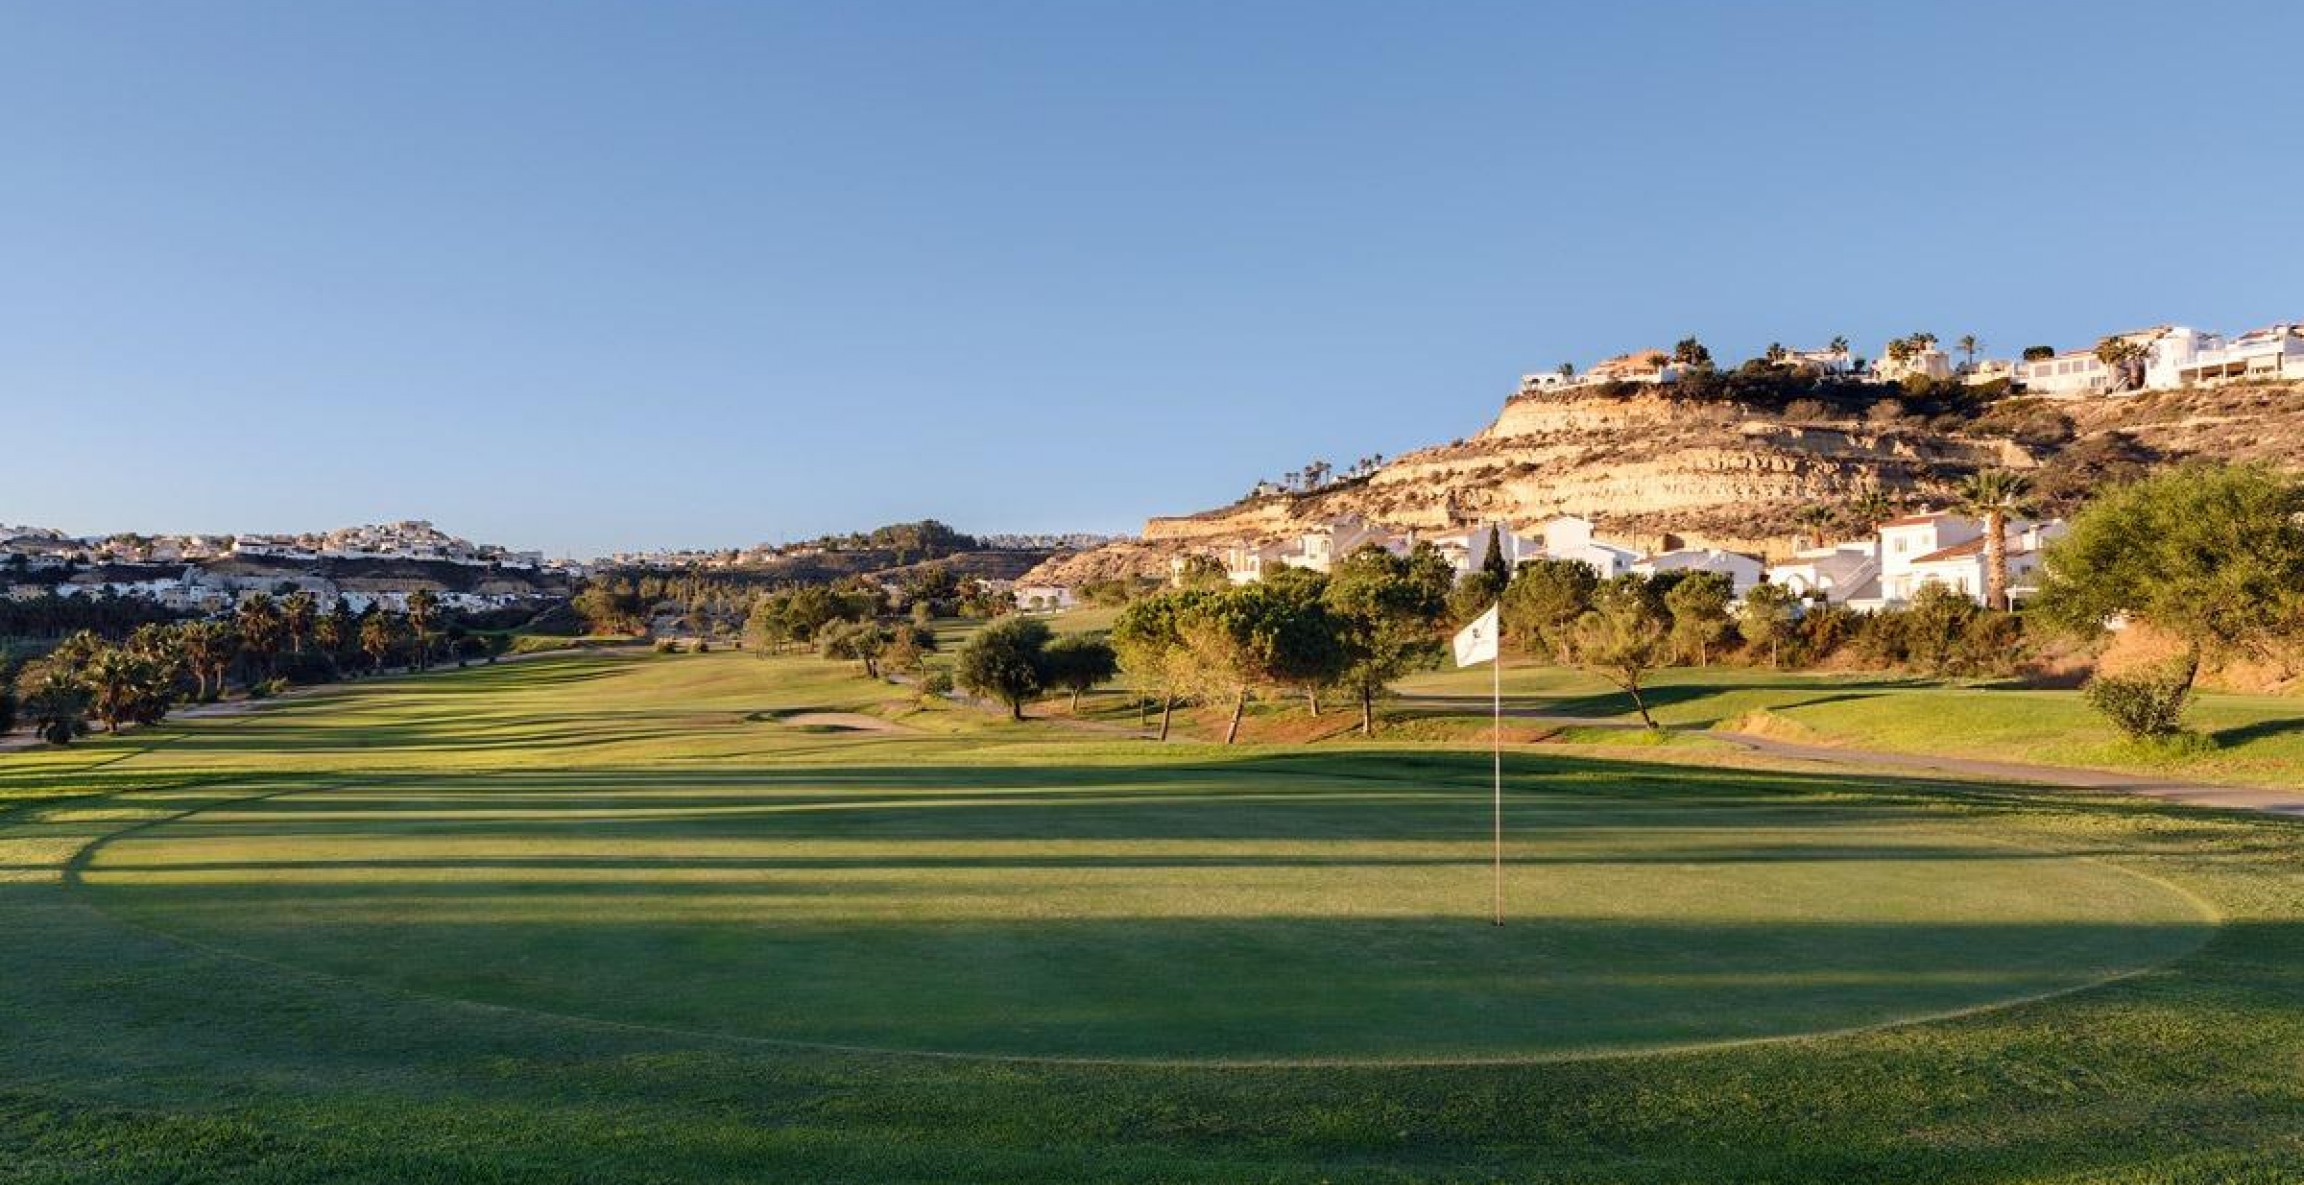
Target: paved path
{"x":2252,"y":798}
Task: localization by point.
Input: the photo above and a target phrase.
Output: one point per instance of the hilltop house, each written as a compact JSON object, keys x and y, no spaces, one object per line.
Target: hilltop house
{"x":2274,"y":352}
{"x":1930,"y":363}
{"x":1821,"y":363}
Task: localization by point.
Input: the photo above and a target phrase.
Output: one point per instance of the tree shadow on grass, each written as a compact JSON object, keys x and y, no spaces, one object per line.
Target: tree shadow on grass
{"x":2260,"y":730}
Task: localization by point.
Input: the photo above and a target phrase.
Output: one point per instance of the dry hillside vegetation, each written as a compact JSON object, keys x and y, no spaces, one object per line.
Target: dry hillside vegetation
{"x":1652,"y":469}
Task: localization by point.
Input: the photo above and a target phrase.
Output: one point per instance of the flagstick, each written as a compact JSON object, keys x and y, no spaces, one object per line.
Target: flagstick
{"x":1496,"y":753}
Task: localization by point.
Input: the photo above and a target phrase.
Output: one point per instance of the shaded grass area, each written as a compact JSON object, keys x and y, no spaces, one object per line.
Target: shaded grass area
{"x":128,"y":1054}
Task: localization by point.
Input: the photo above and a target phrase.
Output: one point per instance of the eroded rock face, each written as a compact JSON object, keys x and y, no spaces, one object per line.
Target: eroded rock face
{"x":1641,"y":467}
{"x":1646,"y":468}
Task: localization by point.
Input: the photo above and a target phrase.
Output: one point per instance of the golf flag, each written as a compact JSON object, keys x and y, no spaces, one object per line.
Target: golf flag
{"x":1476,"y":643}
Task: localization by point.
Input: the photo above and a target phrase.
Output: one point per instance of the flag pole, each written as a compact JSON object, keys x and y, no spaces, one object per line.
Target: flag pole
{"x":1496,"y":756}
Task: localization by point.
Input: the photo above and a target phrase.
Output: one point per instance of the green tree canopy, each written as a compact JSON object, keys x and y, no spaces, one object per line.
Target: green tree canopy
{"x":1387,"y":610}
{"x":1624,"y":637}
{"x":1078,"y":663}
{"x":1698,"y":603}
{"x":1544,"y":601}
{"x":2210,"y":554}
{"x":1005,"y":661}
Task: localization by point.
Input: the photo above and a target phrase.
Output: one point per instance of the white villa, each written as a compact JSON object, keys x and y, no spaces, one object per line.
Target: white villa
{"x":1317,"y":550}
{"x":2274,"y":352}
{"x":1568,"y":537}
{"x":1741,"y":570}
{"x":1043,"y":598}
{"x":1820,"y":362}
{"x":1839,"y":572}
{"x":2175,"y":356}
{"x":1929,"y":363}
{"x":1948,"y":549}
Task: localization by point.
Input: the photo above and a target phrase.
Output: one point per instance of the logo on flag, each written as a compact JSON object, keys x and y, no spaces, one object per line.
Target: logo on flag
{"x":1476,"y":642}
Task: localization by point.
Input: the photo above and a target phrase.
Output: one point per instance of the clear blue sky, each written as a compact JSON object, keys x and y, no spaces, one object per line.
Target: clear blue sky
{"x":591,"y":276}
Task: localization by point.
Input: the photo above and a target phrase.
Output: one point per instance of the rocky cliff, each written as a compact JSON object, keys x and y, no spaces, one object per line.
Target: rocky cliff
{"x":1652,"y":468}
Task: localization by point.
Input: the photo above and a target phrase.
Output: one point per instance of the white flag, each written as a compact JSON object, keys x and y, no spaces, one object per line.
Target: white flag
{"x":1477,"y":641}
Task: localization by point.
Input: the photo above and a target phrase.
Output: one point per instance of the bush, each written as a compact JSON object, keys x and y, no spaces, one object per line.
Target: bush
{"x":267,"y":688}
{"x":936,"y":683}
{"x":2142,"y":707}
{"x":1820,"y":632}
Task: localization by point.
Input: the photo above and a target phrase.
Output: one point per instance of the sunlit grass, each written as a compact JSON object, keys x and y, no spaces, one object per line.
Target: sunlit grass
{"x":545,"y":921}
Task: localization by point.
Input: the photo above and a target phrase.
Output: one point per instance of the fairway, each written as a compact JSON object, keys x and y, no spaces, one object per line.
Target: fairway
{"x":723,"y":918}
{"x":915,"y":897}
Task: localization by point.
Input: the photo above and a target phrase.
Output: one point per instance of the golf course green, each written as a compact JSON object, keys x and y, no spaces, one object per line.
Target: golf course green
{"x":720,"y":917}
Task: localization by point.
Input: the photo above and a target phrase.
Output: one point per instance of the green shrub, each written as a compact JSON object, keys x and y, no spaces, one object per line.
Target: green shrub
{"x":2142,"y":707}
{"x":936,"y":683}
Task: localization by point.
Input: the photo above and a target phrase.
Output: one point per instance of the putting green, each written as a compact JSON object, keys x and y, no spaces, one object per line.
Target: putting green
{"x":1229,"y":911}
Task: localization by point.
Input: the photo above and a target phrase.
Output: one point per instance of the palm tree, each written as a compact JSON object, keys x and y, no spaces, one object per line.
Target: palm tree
{"x":1968,"y":346}
{"x":379,"y":633}
{"x":209,"y":648}
{"x":261,"y":627}
{"x":1815,"y":517}
{"x":421,"y":605}
{"x":1869,"y":509}
{"x":298,"y":611}
{"x":1995,"y":494}
{"x":1839,"y":345}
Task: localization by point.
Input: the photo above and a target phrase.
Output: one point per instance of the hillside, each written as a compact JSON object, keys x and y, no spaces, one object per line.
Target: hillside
{"x":1653,"y":466}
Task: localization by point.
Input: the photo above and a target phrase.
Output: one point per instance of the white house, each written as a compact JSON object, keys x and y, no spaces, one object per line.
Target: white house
{"x":2274,"y":352}
{"x":1839,"y":573}
{"x":1993,"y":370}
{"x":1963,"y":568}
{"x":1818,"y":362}
{"x":2073,"y":373}
{"x":1903,"y":541}
{"x":1741,"y":570}
{"x":1247,"y":563}
{"x":1948,"y":549}
{"x":1639,"y":366}
{"x":1319,"y":549}
{"x":1043,"y":597}
{"x":1568,"y":537}
{"x":1926,"y":363}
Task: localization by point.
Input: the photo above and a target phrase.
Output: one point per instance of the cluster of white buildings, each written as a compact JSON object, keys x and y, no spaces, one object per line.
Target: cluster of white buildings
{"x":410,"y":540}
{"x":1884,"y":571}
{"x":206,"y":573}
{"x":2171,"y":356}
{"x":1908,"y":554}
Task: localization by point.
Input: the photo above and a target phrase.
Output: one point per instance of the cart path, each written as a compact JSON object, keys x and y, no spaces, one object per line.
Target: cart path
{"x":2208,"y":794}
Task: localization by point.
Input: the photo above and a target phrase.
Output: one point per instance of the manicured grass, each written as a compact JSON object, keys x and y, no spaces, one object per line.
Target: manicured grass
{"x":554,"y":921}
{"x":2258,"y":739}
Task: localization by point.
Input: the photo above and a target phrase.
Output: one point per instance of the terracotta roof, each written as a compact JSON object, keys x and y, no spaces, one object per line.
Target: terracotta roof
{"x":1972,"y":547}
{"x":1953,"y":552}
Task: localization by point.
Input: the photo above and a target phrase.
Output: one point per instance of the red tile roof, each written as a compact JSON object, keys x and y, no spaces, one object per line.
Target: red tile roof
{"x":1972,"y":547}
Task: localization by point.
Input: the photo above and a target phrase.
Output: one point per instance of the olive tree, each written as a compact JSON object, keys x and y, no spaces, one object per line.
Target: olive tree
{"x":2211,"y":555}
{"x":1005,"y":661}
